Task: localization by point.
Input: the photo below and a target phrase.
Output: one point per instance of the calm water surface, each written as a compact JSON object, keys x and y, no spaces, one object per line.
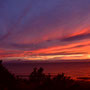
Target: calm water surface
{"x":73,"y":69}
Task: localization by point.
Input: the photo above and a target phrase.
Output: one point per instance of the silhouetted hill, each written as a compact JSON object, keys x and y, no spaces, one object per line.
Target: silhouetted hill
{"x":38,"y":80}
{"x":7,"y":80}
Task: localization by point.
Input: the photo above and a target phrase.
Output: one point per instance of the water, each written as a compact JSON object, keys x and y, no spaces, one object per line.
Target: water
{"x":73,"y":69}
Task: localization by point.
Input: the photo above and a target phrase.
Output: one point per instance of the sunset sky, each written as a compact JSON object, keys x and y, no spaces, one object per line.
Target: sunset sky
{"x":45,"y":29}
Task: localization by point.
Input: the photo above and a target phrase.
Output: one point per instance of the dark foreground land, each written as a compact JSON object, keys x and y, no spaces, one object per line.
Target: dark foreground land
{"x":39,"y":81}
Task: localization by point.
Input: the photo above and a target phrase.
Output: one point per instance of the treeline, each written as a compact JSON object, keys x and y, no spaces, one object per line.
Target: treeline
{"x":37,"y":81}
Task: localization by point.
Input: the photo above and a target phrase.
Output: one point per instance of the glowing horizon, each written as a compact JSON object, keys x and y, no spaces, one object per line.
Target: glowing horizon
{"x":45,"y":30}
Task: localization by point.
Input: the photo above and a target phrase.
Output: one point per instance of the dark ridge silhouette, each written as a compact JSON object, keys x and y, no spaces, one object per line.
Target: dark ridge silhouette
{"x":84,"y":78}
{"x":7,"y":80}
{"x":38,"y":80}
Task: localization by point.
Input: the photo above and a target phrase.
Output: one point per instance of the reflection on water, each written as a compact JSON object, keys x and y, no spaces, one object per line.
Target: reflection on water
{"x":73,"y":69}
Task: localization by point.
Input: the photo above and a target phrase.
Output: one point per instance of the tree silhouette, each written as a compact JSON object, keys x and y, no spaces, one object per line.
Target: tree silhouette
{"x":7,"y":80}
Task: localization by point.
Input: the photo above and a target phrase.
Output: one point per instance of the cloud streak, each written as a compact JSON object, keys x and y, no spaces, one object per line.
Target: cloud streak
{"x":77,"y":37}
{"x":44,"y":27}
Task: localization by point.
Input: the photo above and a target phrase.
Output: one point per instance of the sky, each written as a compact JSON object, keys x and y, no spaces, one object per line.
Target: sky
{"x":45,"y":29}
